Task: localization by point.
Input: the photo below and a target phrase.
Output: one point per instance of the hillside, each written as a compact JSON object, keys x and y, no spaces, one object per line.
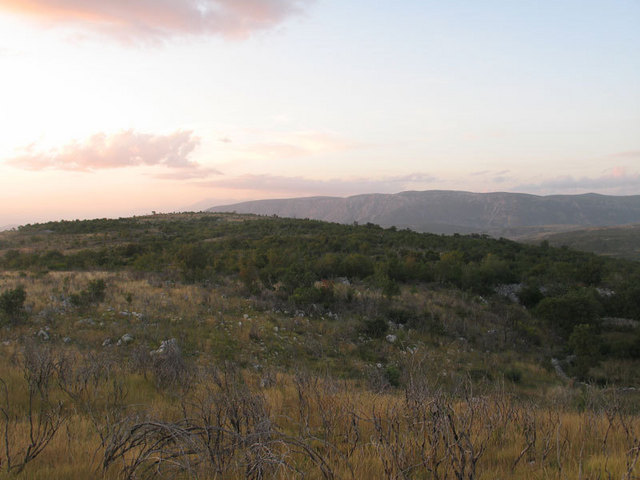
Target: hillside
{"x":510,"y":215}
{"x":620,"y":242}
{"x":203,"y":345}
{"x":361,"y":272}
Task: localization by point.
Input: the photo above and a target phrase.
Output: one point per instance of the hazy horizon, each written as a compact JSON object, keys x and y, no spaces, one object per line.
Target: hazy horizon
{"x":207,"y":205}
{"x":123,"y":108}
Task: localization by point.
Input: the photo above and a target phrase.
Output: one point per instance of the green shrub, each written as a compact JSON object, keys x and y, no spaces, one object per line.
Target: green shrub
{"x":513,"y":375}
{"x":12,"y":303}
{"x":564,"y":312}
{"x":392,"y":373}
{"x":94,"y":293}
{"x":376,"y":327}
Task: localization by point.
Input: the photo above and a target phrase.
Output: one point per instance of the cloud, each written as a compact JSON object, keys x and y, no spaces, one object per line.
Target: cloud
{"x":483,"y":173}
{"x":160,"y":19}
{"x":287,"y":145}
{"x":285,"y":185}
{"x":618,"y":180}
{"x":124,"y":149}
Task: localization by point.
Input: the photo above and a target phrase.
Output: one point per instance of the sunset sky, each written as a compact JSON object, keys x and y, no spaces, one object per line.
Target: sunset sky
{"x":121,"y":107}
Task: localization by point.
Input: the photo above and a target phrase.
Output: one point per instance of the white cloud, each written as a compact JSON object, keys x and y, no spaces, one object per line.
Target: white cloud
{"x":160,"y":19}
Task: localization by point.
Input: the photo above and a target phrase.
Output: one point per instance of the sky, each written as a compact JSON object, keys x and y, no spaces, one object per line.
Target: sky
{"x":126,"y":107}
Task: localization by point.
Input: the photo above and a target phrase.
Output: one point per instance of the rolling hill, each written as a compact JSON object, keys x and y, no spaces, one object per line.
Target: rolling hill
{"x":511,"y":215}
{"x":618,"y":241}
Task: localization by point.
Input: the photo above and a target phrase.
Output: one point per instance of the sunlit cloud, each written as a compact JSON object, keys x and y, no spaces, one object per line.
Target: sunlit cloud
{"x":303,"y":186}
{"x":619,"y":180}
{"x":119,"y":150}
{"x":159,"y":19}
{"x":287,"y":145}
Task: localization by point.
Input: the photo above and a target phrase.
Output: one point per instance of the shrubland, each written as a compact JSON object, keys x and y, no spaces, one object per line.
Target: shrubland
{"x":232,"y":346}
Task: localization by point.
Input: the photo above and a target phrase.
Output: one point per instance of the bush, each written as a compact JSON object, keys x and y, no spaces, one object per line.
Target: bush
{"x":392,"y":374}
{"x":513,"y":375}
{"x":585,"y":343}
{"x":376,"y":327}
{"x":564,"y":312}
{"x":94,"y":293}
{"x":12,"y":303}
{"x":530,"y":296}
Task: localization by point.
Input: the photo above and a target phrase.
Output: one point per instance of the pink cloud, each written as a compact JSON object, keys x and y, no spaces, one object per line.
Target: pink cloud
{"x":285,"y":145}
{"x":157,"y":19}
{"x":124,"y":149}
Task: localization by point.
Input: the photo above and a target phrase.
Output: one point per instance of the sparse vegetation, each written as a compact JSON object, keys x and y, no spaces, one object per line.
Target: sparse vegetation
{"x":204,"y":346}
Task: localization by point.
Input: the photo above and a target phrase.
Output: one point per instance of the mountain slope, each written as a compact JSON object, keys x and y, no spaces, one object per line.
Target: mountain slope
{"x":438,"y":211}
{"x":617,"y":241}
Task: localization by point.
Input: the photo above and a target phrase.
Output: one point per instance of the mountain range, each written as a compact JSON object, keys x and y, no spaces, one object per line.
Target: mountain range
{"x":510,"y":215}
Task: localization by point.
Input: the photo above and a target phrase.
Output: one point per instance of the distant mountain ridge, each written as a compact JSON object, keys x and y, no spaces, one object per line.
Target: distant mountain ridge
{"x":511,"y":215}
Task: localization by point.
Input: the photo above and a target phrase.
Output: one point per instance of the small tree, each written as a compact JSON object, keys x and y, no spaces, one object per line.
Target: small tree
{"x":12,"y":303}
{"x":585,"y":345}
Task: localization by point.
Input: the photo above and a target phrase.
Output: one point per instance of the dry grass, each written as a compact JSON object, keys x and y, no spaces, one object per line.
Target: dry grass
{"x":248,"y":401}
{"x":300,"y":424}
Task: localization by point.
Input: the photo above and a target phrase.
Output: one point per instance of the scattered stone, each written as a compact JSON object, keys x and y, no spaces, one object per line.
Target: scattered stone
{"x":106,"y":342}
{"x":66,"y":339}
{"x":559,"y":371}
{"x":245,"y":316}
{"x":605,"y":292}
{"x":391,"y":338}
{"x":85,"y":322}
{"x":43,"y":335}
{"x":509,"y":291}
{"x":620,"y":322}
{"x":126,"y":339}
{"x":165,"y":346}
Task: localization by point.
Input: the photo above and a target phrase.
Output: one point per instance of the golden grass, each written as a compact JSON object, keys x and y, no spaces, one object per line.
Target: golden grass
{"x":568,"y":444}
{"x":357,"y":432}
